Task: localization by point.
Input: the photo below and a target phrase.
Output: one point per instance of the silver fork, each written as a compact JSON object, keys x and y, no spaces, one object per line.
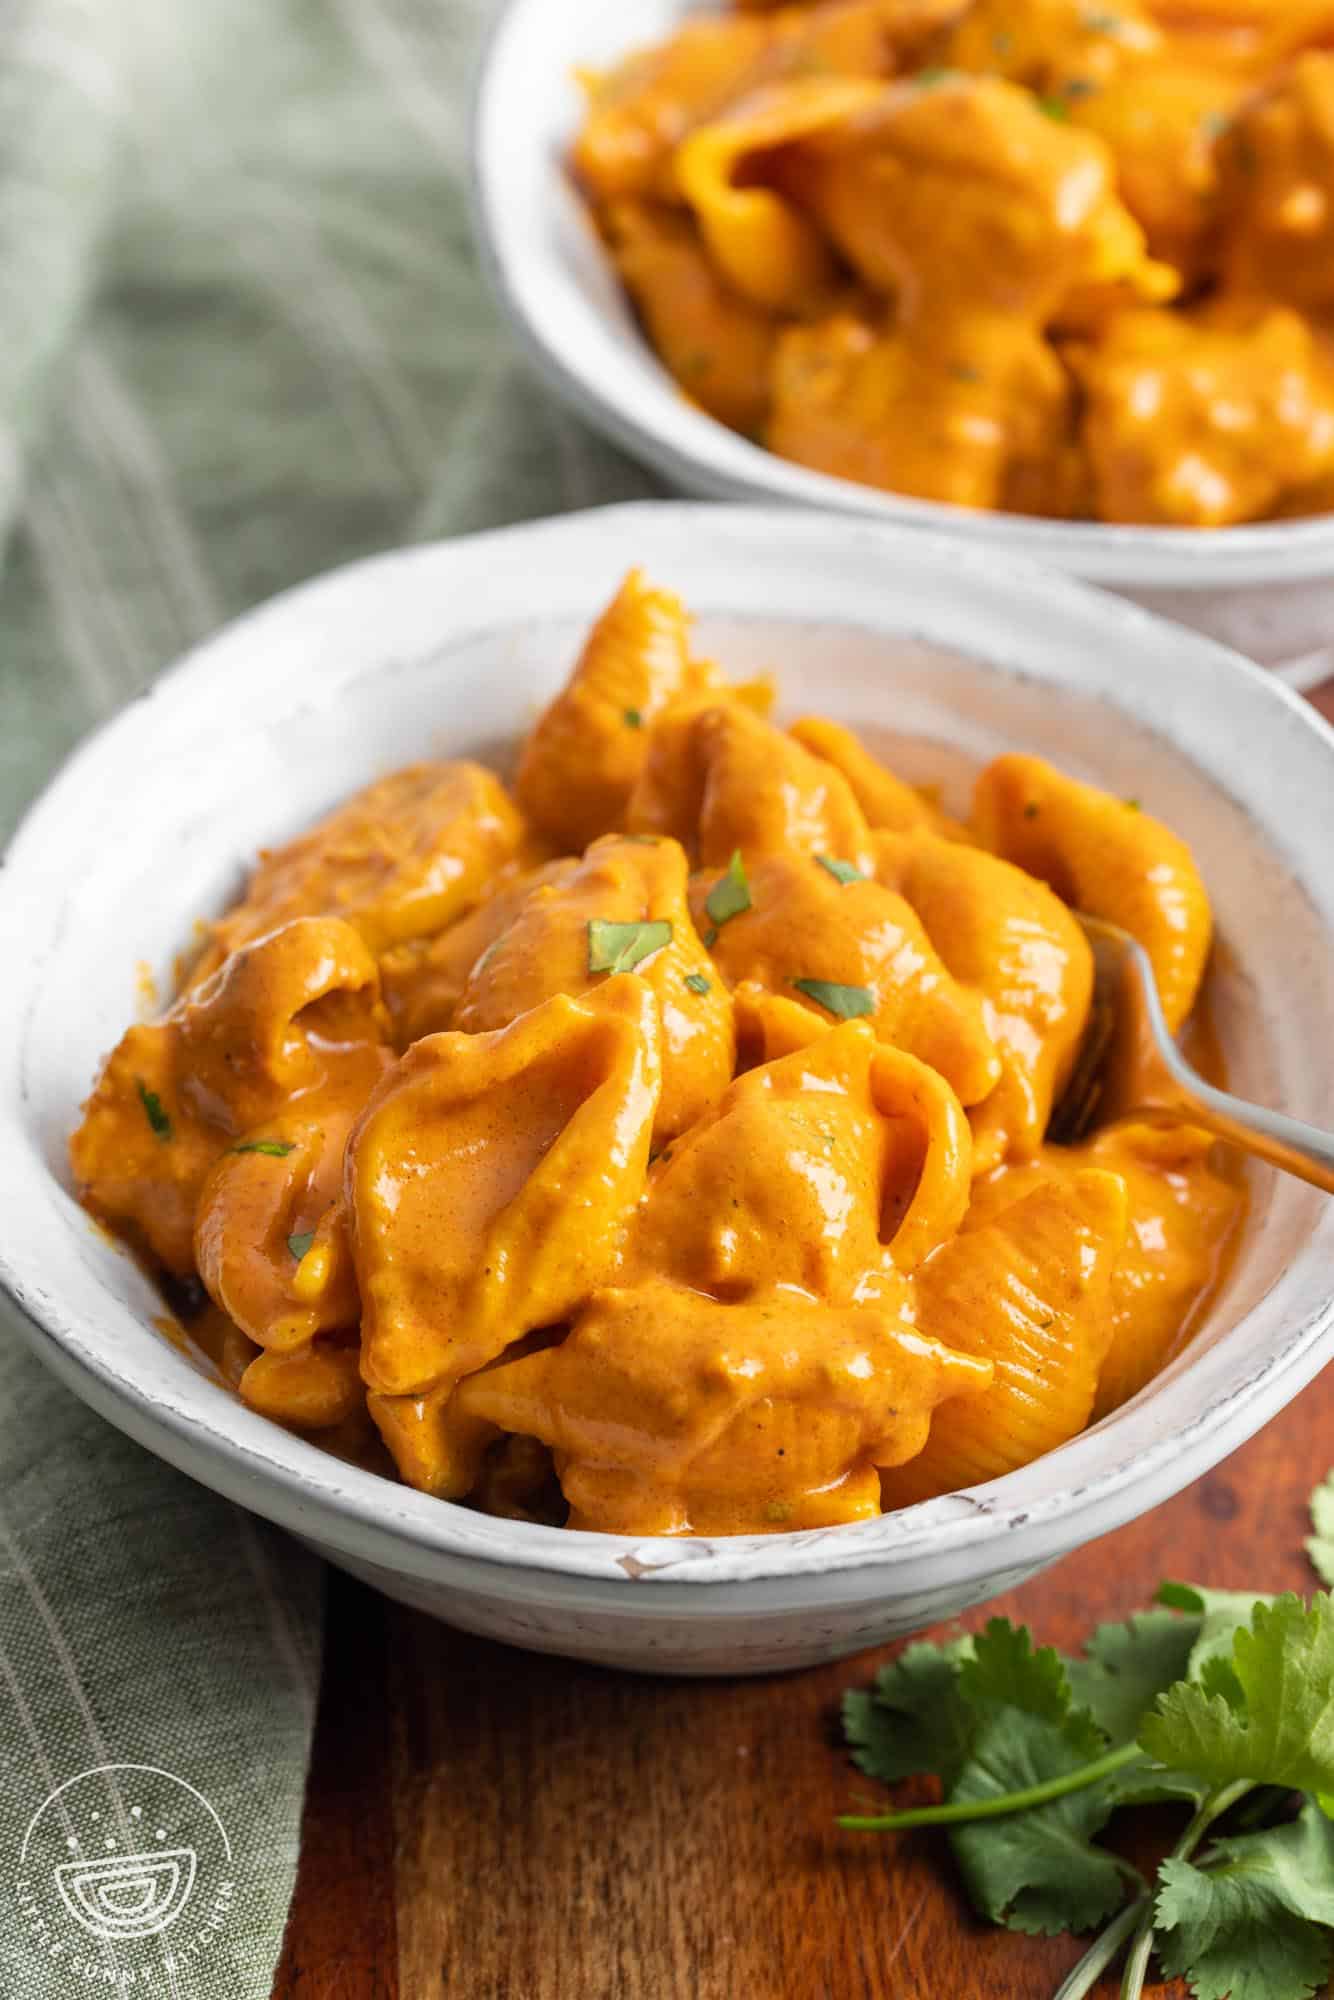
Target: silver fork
{"x":1128,"y":1063}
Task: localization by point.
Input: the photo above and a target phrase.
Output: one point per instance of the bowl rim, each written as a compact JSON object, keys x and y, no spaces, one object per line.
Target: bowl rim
{"x":702,"y":456}
{"x":295,"y":1481}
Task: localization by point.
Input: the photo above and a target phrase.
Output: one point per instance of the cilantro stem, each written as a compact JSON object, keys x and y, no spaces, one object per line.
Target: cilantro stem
{"x":952,"y":1813}
{"x":1104,"y":1950}
{"x":1217,"y":1803}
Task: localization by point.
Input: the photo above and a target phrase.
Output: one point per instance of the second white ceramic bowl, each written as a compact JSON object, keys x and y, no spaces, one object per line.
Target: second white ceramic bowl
{"x":1268,"y":590}
{"x":451,"y":649}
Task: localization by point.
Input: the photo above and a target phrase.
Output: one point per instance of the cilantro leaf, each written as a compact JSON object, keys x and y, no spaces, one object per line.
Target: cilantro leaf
{"x":621,"y":947}
{"x":300,"y":1243}
{"x":697,"y":982}
{"x":916,"y":1719}
{"x":634,"y":718}
{"x":842,"y":871}
{"x":1007,"y":1670}
{"x":1284,"y":1733}
{"x":154,"y":1111}
{"x":848,"y":1002}
{"x":1222,"y":1614}
{"x":730,"y":894}
{"x":1250,"y":1925}
{"x":1127,"y":1666}
{"x":1320,"y":1545}
{"x":1037,"y":1871}
{"x":273,"y":1149}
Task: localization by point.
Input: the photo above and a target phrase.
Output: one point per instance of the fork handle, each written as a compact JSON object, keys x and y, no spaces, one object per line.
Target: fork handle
{"x":1303,"y":1150}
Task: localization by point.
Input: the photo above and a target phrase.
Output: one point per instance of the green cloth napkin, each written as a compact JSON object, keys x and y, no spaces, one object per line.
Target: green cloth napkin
{"x":242,"y":338}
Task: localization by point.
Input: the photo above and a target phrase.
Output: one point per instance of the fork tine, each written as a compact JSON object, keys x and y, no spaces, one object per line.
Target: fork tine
{"x":1072,"y":1118}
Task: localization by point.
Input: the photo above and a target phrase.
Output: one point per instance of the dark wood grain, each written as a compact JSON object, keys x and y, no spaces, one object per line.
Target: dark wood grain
{"x":341,"y":1941}
{"x":488,"y":1825}
{"x":564,"y":1833}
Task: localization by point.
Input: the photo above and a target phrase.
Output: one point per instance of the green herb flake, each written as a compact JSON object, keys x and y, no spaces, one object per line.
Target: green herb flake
{"x":634,"y":718}
{"x":730,"y":894}
{"x":698,"y":983}
{"x":842,"y":871}
{"x":1134,"y":805}
{"x":934,"y":73}
{"x":1055,"y":108}
{"x":154,"y":1111}
{"x":300,"y":1243}
{"x":1032,"y":809}
{"x":273,"y":1149}
{"x":621,"y":947}
{"x":848,"y":1002}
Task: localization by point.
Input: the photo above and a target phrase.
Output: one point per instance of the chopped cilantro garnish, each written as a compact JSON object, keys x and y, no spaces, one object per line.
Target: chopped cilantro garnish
{"x":634,"y":719}
{"x":154,"y":1111}
{"x":697,"y":982}
{"x":621,"y":947}
{"x":300,"y":1243}
{"x":1056,"y":108}
{"x":848,"y":1002}
{"x":730,"y":894}
{"x":842,"y":871}
{"x":274,"y":1149}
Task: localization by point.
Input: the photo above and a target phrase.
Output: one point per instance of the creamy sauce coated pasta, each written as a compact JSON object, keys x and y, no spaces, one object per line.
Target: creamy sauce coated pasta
{"x":661,"y":1145}
{"x":1050,"y":256}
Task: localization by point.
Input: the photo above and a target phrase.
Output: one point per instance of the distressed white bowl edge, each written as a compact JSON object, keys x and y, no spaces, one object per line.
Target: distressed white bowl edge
{"x":374,"y":633}
{"x":1265,"y":588}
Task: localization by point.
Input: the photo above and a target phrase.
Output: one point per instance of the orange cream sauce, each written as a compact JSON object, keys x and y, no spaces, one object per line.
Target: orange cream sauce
{"x":662,"y":1145}
{"x":1035,"y":255}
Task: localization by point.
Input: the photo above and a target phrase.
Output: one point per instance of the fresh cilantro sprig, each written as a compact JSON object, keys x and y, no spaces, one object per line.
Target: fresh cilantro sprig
{"x":1209,"y":1698}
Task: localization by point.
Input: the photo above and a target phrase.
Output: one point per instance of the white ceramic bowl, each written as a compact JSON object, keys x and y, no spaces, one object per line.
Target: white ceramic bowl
{"x":451,"y":648}
{"x":1268,"y":589}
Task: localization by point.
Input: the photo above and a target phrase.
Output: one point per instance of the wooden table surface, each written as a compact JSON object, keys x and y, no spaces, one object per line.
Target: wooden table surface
{"x":483,"y":1824}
